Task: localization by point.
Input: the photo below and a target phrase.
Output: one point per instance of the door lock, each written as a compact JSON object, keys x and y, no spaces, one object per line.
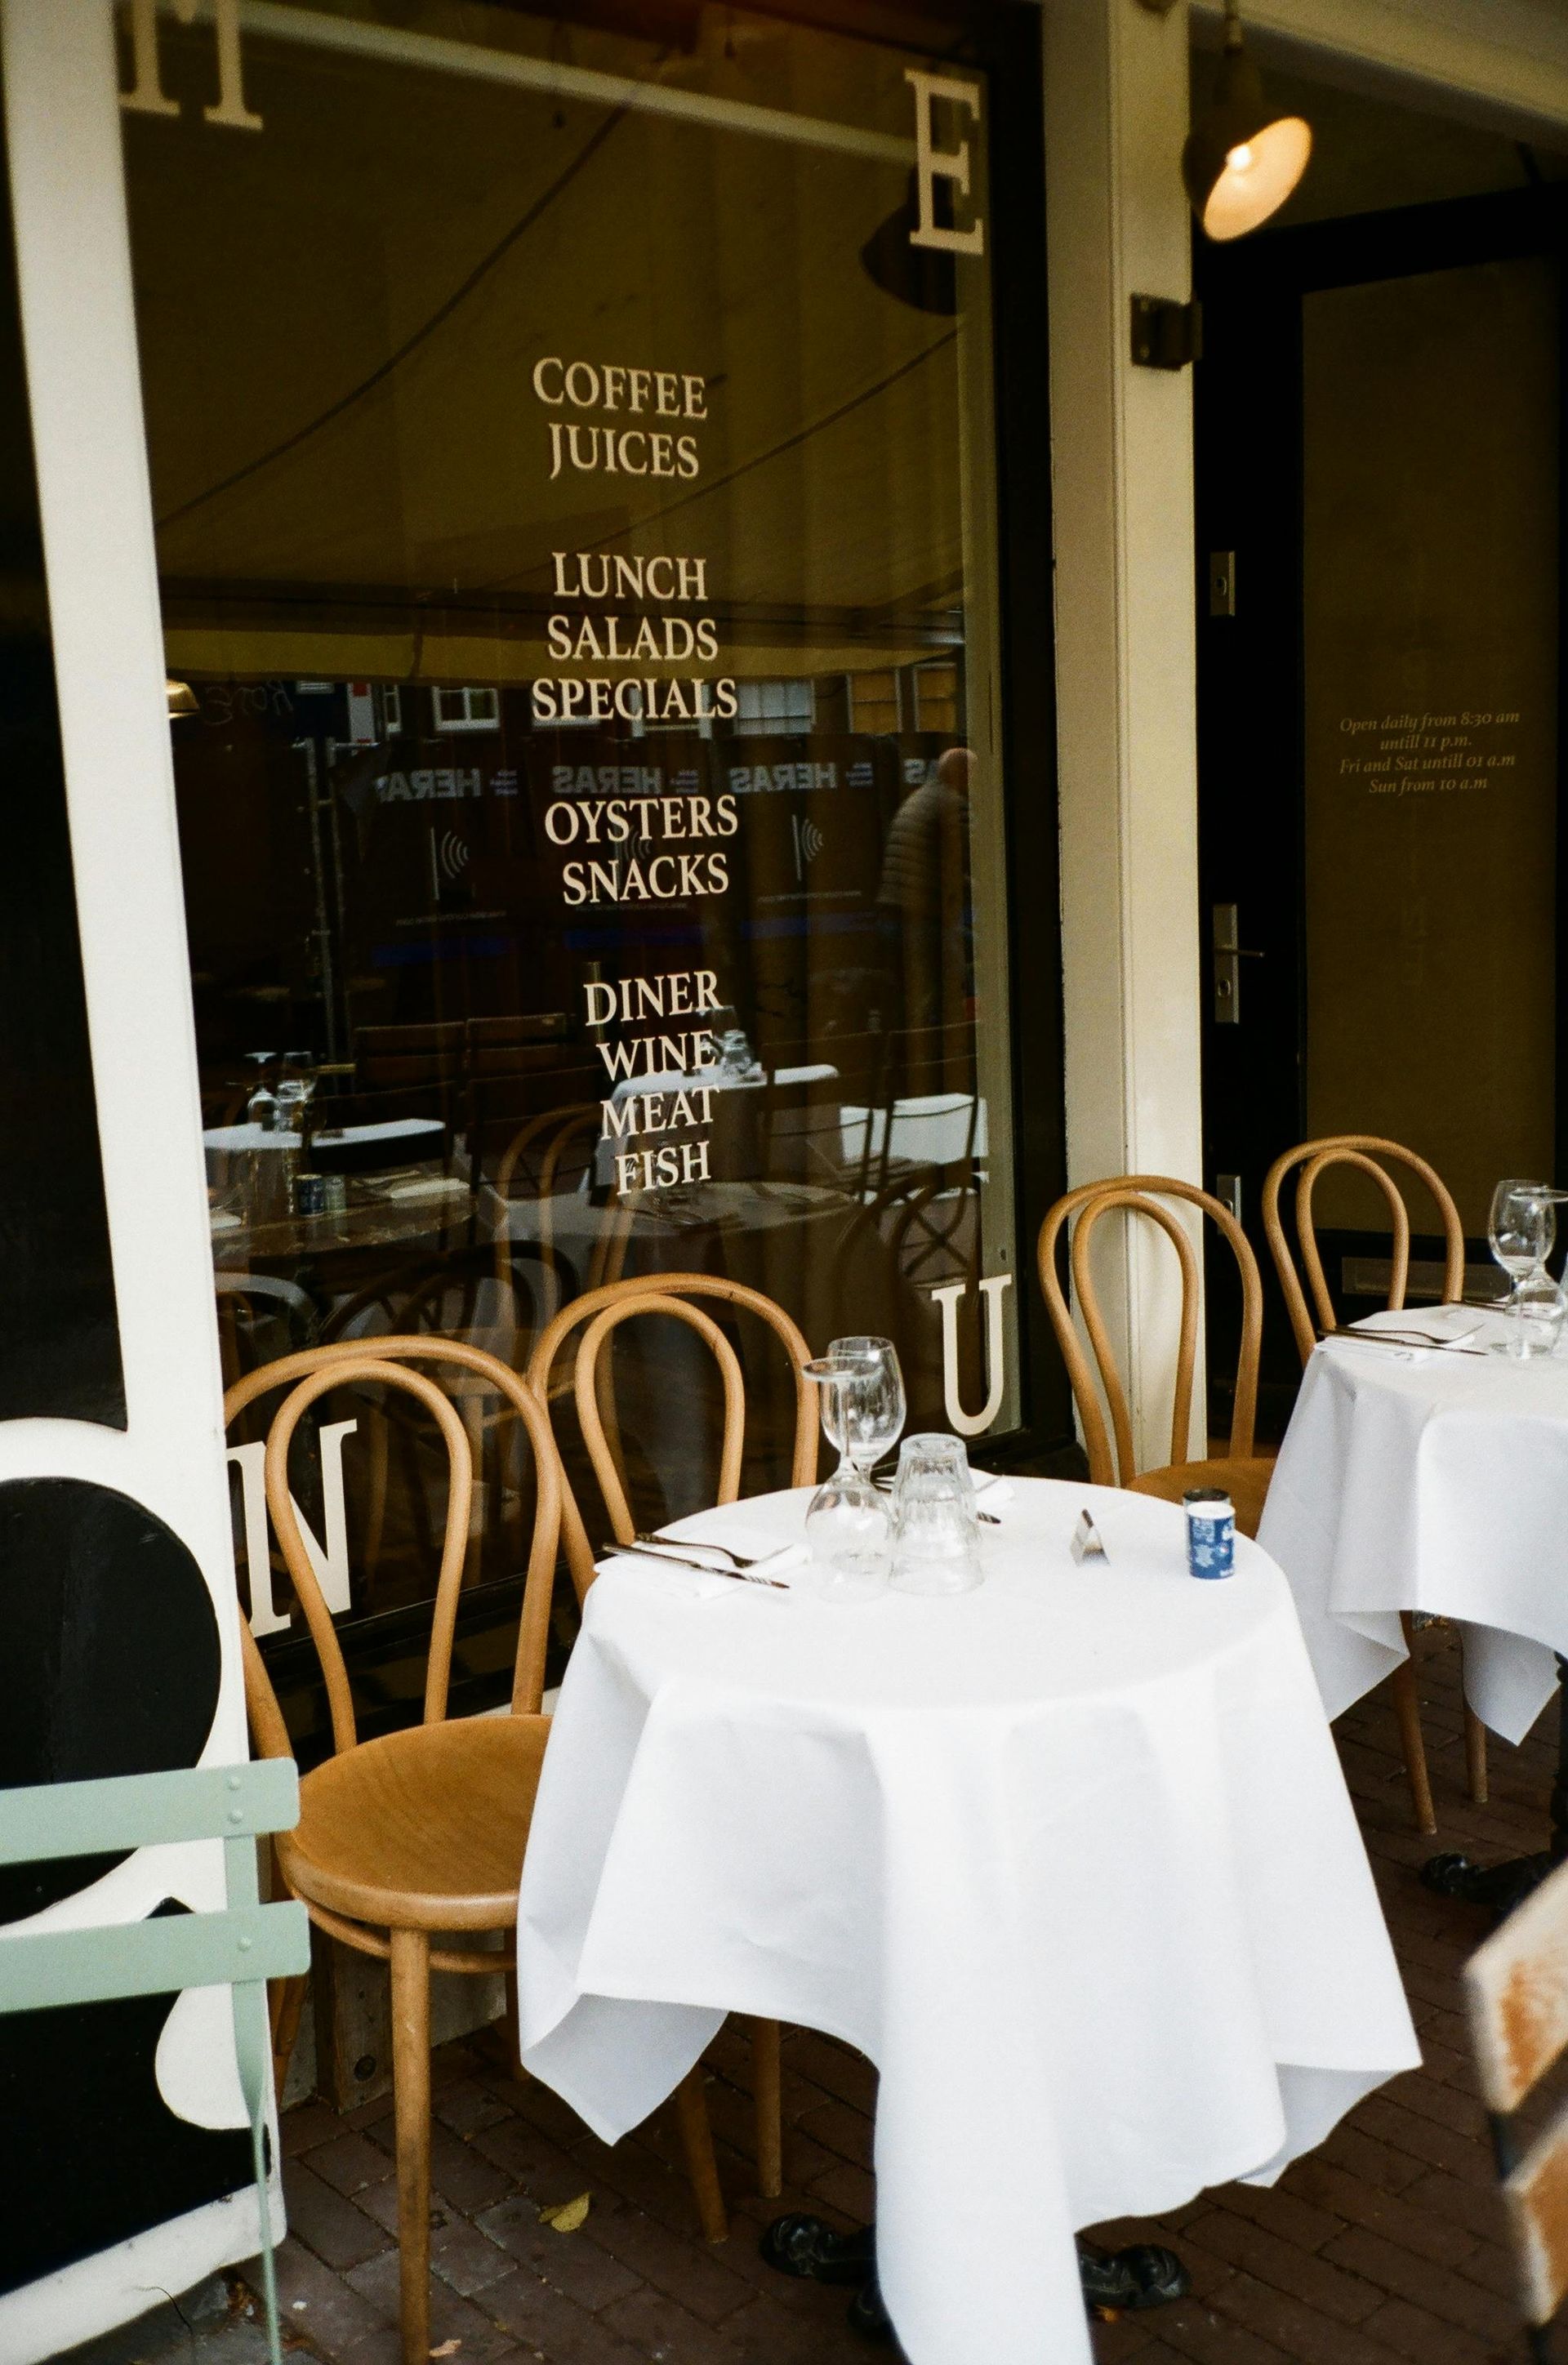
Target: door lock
{"x":1229,"y":956}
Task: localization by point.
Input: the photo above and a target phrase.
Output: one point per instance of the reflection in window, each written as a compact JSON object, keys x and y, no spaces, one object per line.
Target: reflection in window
{"x":578,"y":540}
{"x":778,"y":706}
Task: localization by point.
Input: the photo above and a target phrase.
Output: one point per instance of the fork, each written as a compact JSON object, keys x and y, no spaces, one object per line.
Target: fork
{"x":698,"y":1544}
{"x":670,"y":1555}
{"x":1408,"y":1338}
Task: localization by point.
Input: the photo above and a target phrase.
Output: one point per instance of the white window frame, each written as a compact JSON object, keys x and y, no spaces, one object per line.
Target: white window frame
{"x":78,"y":315}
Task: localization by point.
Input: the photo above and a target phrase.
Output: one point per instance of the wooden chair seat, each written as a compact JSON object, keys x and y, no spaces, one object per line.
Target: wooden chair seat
{"x":1247,"y":1482}
{"x":422,"y":1830}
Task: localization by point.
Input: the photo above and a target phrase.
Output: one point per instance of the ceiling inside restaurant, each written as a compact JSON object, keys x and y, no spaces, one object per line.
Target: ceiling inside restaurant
{"x":340,"y":318}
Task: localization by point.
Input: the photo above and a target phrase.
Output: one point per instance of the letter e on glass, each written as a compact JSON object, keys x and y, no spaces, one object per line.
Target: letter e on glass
{"x":932,"y":163}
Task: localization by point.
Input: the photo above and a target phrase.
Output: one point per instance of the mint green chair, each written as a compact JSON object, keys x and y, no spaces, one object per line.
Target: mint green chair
{"x":240,"y":1948}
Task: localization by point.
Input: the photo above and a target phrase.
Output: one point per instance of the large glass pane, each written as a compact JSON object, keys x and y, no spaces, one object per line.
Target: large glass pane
{"x":572,"y":456}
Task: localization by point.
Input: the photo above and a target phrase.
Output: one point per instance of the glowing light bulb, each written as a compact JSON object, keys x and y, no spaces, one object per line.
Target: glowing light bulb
{"x":1239,"y":160}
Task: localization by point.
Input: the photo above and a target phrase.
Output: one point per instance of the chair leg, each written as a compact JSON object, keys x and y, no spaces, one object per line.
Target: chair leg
{"x":1408,"y":1709}
{"x":768,"y":2101}
{"x":286,"y":1999}
{"x":1476,"y":1755}
{"x":412,"y":2103}
{"x":697,"y":2139}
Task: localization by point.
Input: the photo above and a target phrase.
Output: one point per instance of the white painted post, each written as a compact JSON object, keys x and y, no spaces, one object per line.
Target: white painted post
{"x":1122,"y":438}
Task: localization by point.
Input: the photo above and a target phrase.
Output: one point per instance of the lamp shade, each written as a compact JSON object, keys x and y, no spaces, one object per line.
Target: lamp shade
{"x":182,"y":699}
{"x":1241,"y":160}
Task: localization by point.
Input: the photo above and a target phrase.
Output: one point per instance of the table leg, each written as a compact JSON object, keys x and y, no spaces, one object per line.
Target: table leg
{"x":1504,"y":1886}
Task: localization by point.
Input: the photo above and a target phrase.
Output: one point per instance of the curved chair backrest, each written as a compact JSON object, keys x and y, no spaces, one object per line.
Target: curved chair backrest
{"x":663,"y":1293}
{"x":1142,"y":1195}
{"x":384,"y":1362}
{"x":1366,"y":1152}
{"x":605,"y":1460}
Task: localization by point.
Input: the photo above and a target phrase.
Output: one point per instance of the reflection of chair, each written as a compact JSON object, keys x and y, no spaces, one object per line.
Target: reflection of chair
{"x":538,"y":1150}
{"x":421,"y":1832}
{"x":1516,"y":1997}
{"x":409,"y":1059}
{"x":603,"y":1310}
{"x":247,"y":1301}
{"x":1244,"y":1473}
{"x":1368,"y":1154}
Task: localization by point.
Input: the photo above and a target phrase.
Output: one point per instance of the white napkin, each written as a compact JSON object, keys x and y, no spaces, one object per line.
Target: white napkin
{"x":991,"y":1490}
{"x":679,"y":1584}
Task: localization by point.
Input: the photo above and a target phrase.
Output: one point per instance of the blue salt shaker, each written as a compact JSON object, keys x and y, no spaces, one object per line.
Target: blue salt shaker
{"x":1210,"y":1531}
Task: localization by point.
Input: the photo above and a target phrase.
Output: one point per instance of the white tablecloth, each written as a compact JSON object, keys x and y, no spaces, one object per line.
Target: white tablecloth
{"x":1435,"y":1482}
{"x":1071,"y":1858}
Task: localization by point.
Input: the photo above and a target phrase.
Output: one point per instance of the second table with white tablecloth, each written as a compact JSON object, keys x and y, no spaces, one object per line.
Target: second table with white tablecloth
{"x":1428,"y":1480}
{"x":1070,"y":1858}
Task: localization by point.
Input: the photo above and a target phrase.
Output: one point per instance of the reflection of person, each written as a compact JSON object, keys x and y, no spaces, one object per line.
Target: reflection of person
{"x":924,"y":890}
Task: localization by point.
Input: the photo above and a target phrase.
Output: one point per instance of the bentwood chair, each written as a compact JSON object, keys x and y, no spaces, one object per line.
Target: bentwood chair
{"x":1516,"y":1999}
{"x":1368,"y":1154}
{"x":599,"y":1314}
{"x":419,"y":1833}
{"x":1245,"y":1473}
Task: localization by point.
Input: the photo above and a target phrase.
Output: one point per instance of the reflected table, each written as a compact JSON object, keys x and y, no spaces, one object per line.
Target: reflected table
{"x":1071,"y":1858}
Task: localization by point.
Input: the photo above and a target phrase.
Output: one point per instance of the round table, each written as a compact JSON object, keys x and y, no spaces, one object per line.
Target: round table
{"x":1070,"y":1858}
{"x":1435,"y":1481}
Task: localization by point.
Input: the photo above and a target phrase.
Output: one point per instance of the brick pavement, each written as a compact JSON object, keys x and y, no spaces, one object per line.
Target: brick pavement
{"x":1384,"y":2245}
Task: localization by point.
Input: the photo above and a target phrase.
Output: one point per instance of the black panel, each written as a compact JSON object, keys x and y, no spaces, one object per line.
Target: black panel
{"x":109,"y":1643}
{"x":59,"y":1340}
{"x":96,"y":2153}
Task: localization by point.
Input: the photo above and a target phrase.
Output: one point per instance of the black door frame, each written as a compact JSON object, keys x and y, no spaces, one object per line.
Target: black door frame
{"x":1249,"y":469}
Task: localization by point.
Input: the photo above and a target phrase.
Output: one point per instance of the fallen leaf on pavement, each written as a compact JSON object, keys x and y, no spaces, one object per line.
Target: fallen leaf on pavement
{"x":569,"y":2215}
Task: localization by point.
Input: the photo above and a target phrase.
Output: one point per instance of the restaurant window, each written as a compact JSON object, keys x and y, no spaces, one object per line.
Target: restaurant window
{"x":467,"y":709}
{"x":576,"y":520}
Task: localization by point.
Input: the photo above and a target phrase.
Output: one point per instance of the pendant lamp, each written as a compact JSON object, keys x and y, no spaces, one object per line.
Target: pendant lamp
{"x":1241,"y":160}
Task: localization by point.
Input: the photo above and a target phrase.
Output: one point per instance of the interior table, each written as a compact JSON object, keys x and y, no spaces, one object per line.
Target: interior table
{"x":1070,"y":1858}
{"x":1431,"y":1479}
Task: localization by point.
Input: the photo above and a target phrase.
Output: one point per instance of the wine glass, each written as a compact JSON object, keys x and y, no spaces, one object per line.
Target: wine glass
{"x":872,"y":1401}
{"x":848,"y":1522}
{"x":1522,"y":1229}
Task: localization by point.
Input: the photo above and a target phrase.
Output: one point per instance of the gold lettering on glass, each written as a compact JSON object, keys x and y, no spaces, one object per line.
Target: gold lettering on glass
{"x":971,"y":1424}
{"x":932,"y":164}
{"x":146,"y":94}
{"x":329,"y":1561}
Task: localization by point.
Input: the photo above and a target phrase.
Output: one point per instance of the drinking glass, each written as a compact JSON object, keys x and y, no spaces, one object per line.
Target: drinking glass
{"x":296,"y":1090}
{"x":1539,"y":1310}
{"x":1522,"y":1230}
{"x":935,"y":1529}
{"x":848,"y":1522}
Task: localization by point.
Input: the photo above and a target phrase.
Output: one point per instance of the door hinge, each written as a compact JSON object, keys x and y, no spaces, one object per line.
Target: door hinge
{"x":1222,"y":582}
{"x":1166,"y":335}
